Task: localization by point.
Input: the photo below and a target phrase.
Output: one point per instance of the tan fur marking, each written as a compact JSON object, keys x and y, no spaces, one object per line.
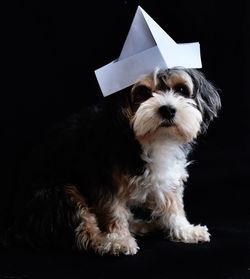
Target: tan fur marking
{"x":121,"y":181}
{"x":113,"y":216}
{"x":87,"y":233}
{"x":171,"y":80}
{"x":171,"y":205}
{"x":148,"y":82}
{"x":179,"y":78}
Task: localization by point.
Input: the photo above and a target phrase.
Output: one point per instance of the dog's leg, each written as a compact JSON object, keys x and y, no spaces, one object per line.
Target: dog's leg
{"x":87,"y":233}
{"x":170,"y":213}
{"x":113,"y":217}
{"x":142,"y":227}
{"x":140,"y":222}
{"x":113,"y":238}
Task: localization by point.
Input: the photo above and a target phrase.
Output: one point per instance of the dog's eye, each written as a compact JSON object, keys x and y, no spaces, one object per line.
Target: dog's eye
{"x":141,"y":93}
{"x":182,"y":90}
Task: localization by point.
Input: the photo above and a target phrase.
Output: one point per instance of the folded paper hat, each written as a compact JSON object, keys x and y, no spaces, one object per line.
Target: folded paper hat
{"x":147,"y":47}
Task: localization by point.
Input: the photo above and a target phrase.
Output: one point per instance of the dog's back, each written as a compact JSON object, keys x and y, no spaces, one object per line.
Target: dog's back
{"x":80,"y":151}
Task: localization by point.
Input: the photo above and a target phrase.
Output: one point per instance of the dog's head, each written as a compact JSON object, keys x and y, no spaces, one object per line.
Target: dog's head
{"x":177,"y":102}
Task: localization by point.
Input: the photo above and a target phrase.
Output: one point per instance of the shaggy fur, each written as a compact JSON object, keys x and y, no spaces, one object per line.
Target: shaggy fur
{"x":129,"y":151}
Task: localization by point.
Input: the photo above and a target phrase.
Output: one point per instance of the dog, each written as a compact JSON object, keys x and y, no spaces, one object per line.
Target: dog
{"x":129,"y":151}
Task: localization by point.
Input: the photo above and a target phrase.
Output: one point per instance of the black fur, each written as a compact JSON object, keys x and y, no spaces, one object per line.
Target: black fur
{"x":82,"y":151}
{"x":206,"y":96}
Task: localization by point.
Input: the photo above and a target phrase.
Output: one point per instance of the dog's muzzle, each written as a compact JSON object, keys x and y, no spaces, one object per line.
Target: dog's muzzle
{"x":167,"y":114}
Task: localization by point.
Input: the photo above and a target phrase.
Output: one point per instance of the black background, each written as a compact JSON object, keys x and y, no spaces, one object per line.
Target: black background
{"x":52,"y":51}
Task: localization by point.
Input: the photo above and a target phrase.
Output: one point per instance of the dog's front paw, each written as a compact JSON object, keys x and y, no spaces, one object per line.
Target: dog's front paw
{"x":190,"y":234}
{"x":115,"y":244}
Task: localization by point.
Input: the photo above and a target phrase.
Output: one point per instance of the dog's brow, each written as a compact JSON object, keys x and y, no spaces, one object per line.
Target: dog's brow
{"x":180,"y":79}
{"x":162,"y":83}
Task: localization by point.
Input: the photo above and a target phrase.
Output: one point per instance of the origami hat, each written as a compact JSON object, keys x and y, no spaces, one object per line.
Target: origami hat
{"x":147,"y":47}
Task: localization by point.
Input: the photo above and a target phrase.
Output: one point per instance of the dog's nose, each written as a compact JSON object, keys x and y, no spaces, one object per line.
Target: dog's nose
{"x":167,"y":112}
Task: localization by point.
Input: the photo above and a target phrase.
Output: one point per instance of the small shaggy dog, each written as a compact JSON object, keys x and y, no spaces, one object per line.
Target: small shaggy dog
{"x":130,"y":151}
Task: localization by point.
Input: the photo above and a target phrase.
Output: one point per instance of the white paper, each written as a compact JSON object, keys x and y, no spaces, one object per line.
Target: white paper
{"x":146,"y":47}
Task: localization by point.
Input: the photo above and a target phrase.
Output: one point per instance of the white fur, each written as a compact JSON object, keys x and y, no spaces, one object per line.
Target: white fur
{"x":187,"y":120}
{"x":182,"y":230}
{"x":114,"y":243}
{"x":162,"y":139}
{"x":165,"y":170}
{"x":165,"y":173}
{"x":166,"y":162}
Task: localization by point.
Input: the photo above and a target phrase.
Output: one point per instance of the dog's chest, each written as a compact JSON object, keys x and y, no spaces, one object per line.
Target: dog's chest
{"x":165,"y":170}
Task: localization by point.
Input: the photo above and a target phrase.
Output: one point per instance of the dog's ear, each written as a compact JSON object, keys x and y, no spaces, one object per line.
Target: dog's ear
{"x":207,"y":97}
{"x":119,"y":106}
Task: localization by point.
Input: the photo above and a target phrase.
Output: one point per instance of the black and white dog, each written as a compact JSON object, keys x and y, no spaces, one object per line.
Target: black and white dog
{"x":131,"y":150}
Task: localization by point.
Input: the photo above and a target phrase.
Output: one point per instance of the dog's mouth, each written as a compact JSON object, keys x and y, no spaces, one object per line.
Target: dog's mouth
{"x":167,"y":123}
